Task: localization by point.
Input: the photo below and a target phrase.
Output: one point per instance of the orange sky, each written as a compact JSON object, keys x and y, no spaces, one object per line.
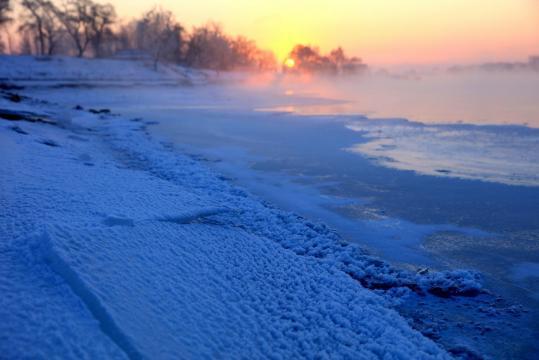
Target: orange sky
{"x":382,"y":32}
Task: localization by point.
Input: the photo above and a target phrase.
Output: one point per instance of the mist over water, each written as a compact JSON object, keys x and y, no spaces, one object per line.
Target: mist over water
{"x":430,"y":96}
{"x":471,"y":124}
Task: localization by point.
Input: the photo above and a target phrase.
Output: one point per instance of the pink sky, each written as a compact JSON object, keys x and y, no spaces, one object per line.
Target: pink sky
{"x":382,"y":32}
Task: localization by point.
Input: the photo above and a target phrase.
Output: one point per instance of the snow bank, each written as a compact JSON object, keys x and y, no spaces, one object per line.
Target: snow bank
{"x":136,"y":237}
{"x":114,"y":246}
{"x":80,"y":71}
{"x":291,"y":231}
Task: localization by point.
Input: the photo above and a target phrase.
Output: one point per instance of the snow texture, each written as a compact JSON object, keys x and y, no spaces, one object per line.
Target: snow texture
{"x":115,"y":246}
{"x":108,"y":256}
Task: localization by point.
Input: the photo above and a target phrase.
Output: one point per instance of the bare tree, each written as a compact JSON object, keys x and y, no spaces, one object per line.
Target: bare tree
{"x":5,"y":8}
{"x":247,"y":55}
{"x":308,"y":58}
{"x":210,"y":48}
{"x":244,"y":52}
{"x":101,"y":19}
{"x":159,"y":34}
{"x":338,"y":57}
{"x":125,"y":36}
{"x":39,"y":19}
{"x":266,"y":60}
{"x":75,"y":15}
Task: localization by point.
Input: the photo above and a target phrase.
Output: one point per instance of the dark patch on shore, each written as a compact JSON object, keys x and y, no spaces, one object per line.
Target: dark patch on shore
{"x":49,"y":142}
{"x":18,"y":130}
{"x":10,"y":115}
{"x":99,"y":111}
{"x":8,"y":86}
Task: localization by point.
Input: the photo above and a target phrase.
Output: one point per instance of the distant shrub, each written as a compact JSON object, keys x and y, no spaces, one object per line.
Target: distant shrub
{"x":306,"y":58}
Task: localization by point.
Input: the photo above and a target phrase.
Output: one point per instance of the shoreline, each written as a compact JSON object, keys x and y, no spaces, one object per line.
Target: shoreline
{"x":71,"y":247}
{"x":126,"y":146}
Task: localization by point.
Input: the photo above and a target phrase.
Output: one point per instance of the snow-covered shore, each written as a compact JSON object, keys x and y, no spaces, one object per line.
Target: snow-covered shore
{"x":66,"y":71}
{"x":114,"y":245}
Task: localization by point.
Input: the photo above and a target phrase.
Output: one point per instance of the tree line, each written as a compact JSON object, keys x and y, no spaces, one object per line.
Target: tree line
{"x":85,"y":28}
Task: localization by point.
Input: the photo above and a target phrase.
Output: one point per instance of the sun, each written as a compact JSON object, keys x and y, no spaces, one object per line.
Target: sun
{"x":290,"y":63}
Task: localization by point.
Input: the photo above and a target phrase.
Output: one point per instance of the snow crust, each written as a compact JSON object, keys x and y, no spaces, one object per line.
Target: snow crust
{"x":113,"y":246}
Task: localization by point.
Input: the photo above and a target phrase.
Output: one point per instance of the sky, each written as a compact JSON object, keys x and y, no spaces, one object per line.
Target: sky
{"x":383,"y":32}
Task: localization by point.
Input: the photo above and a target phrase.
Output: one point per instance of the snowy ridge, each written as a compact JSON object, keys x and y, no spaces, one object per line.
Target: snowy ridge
{"x":291,"y":231}
{"x":109,"y":278}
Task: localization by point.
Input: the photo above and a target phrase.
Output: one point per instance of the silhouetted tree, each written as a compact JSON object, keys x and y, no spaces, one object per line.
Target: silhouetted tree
{"x":159,"y":34}
{"x":309,"y":59}
{"x":210,"y":48}
{"x":266,"y":60}
{"x":101,"y":19}
{"x":354,"y":65}
{"x":76,"y":17}
{"x":125,"y":36}
{"x":40,"y":22}
{"x":337,"y":56}
{"x":76,"y":26}
{"x":244,"y":52}
{"x":246,"y":55}
{"x":5,"y":8}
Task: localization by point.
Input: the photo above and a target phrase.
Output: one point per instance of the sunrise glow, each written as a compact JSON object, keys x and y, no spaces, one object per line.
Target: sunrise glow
{"x":381,"y":32}
{"x":289,"y":63}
